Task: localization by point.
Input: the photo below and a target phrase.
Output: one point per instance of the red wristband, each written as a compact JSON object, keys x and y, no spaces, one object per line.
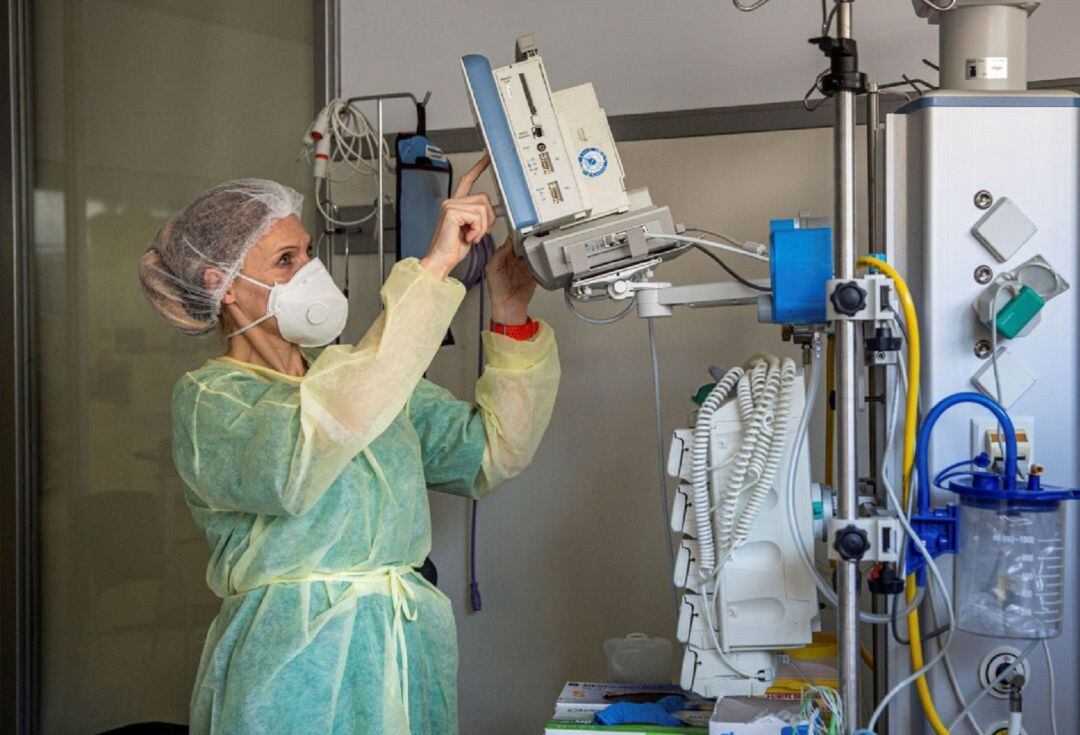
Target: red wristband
{"x":519,"y":332}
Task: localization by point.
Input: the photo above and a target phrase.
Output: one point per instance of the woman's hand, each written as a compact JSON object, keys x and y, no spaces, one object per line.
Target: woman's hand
{"x":510,"y":285}
{"x":464,"y":219}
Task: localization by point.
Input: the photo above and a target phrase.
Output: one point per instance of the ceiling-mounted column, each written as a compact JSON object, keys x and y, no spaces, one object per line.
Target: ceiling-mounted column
{"x":982,"y":43}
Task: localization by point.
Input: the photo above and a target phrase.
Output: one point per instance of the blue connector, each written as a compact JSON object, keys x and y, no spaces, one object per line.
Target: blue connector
{"x":938,"y":530}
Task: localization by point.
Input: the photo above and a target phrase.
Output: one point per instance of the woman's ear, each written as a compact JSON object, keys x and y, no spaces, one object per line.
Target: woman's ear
{"x":213,"y":278}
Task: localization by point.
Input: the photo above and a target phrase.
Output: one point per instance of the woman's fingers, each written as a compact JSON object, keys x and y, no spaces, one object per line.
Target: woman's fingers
{"x":465,"y":183}
{"x":473,"y":220}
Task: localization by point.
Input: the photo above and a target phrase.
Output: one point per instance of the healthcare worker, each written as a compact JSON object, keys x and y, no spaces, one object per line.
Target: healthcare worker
{"x":308,"y":470}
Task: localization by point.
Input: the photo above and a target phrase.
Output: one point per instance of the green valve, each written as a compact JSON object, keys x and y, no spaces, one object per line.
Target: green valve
{"x":703,"y":393}
{"x":819,"y":510}
{"x":1016,"y":314}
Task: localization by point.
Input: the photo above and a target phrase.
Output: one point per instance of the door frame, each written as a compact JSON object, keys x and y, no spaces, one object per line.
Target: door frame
{"x":19,"y":549}
{"x":19,"y":447}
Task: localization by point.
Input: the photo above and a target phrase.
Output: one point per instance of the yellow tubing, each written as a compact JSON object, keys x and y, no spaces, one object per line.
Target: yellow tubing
{"x":866,"y":657}
{"x":911,"y":421}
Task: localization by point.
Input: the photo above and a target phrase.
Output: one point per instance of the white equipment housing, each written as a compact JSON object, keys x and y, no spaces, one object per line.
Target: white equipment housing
{"x":559,"y":174}
{"x":943,"y":151}
{"x":767,"y":600}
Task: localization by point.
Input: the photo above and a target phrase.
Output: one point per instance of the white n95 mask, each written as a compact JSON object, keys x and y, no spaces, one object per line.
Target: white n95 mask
{"x":310,"y":308}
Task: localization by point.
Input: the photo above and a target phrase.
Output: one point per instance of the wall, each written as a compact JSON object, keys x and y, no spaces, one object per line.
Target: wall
{"x":653,"y":57}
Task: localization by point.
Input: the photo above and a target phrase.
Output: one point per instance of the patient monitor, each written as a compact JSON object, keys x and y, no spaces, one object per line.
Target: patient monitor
{"x":559,"y":174}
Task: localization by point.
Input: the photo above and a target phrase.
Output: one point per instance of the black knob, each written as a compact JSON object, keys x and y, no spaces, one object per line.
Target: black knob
{"x":851,"y":543}
{"x":848,"y":298}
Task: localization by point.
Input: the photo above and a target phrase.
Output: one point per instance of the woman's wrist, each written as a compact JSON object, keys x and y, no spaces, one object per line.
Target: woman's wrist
{"x":511,"y":315}
{"x":436,"y":266}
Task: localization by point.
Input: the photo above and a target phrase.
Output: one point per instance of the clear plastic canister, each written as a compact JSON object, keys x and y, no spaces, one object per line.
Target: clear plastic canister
{"x":1009,"y":573}
{"x":638,"y":659}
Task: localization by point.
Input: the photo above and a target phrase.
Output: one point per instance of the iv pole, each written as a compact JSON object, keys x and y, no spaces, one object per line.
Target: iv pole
{"x":846,"y":370}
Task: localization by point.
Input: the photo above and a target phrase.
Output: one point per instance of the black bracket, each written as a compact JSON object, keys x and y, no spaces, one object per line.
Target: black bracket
{"x":844,"y":74}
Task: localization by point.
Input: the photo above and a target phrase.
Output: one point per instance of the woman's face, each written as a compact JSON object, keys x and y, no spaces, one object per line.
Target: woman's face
{"x":275,"y":258}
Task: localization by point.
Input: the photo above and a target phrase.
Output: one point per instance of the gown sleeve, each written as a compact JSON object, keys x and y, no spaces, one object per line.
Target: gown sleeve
{"x":471,"y":449}
{"x":259,"y":446}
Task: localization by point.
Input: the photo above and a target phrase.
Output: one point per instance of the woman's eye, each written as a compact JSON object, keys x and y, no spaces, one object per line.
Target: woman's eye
{"x":285,"y":259}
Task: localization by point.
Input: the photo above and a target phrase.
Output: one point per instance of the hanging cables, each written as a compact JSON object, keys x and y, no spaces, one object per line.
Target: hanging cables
{"x":747,"y":249}
{"x":597,"y":320}
{"x":341,"y":138}
{"x":911,"y":421}
{"x":661,"y":479}
{"x":755,"y":5}
{"x":1052,"y":685}
{"x":720,"y":261}
{"x":940,"y":8}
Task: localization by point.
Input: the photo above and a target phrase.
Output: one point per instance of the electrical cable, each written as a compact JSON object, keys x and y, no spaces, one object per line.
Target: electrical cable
{"x":919,"y":671}
{"x":598,"y":320}
{"x":802,"y":670}
{"x":339,"y":135}
{"x":752,"y":6}
{"x":1005,"y":674}
{"x":744,"y":281}
{"x":475,"y":601}
{"x":827,"y":17}
{"x":748,"y":245}
{"x":661,"y":474}
{"x":1053,"y":686}
{"x":823,"y":587}
{"x":950,"y":672}
{"x":910,"y":427}
{"x":708,"y":244}
{"x":940,"y":8}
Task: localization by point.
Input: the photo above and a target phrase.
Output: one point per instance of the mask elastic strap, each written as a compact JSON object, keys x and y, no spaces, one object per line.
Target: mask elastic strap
{"x":253,"y":282}
{"x":255,"y":323}
{"x":258,"y":321}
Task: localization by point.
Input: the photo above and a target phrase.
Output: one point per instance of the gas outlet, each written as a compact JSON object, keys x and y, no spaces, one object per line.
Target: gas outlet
{"x":994,"y":664}
{"x":1001,"y":728}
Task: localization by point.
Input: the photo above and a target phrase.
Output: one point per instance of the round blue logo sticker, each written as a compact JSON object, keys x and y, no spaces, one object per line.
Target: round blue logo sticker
{"x":593,"y":161}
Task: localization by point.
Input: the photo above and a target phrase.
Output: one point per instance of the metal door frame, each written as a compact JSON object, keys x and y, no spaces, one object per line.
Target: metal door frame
{"x":19,"y":634}
{"x":19,"y":455}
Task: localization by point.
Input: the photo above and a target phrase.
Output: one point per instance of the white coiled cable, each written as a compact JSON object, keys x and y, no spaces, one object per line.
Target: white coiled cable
{"x":781,"y":419}
{"x":763,"y":374}
{"x":745,"y":400}
{"x":768,"y":398}
{"x":699,"y":467}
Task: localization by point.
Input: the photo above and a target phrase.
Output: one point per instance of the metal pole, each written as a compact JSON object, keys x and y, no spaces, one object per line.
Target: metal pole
{"x":846,"y":353}
{"x":379,"y":201}
{"x":874,"y":384}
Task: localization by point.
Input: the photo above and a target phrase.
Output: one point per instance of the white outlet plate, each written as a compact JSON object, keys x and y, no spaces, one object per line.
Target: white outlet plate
{"x":1024,"y":426}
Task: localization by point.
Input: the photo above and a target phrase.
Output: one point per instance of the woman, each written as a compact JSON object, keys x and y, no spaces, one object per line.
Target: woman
{"x":308,"y":470}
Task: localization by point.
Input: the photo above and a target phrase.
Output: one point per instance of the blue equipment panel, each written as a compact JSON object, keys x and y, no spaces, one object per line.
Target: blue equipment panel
{"x":499,"y":140}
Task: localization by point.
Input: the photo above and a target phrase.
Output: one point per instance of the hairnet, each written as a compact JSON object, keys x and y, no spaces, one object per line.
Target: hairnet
{"x":216,"y":230}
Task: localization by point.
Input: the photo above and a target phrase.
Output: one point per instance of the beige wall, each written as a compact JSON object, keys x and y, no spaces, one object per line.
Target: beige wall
{"x":571,"y":552}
